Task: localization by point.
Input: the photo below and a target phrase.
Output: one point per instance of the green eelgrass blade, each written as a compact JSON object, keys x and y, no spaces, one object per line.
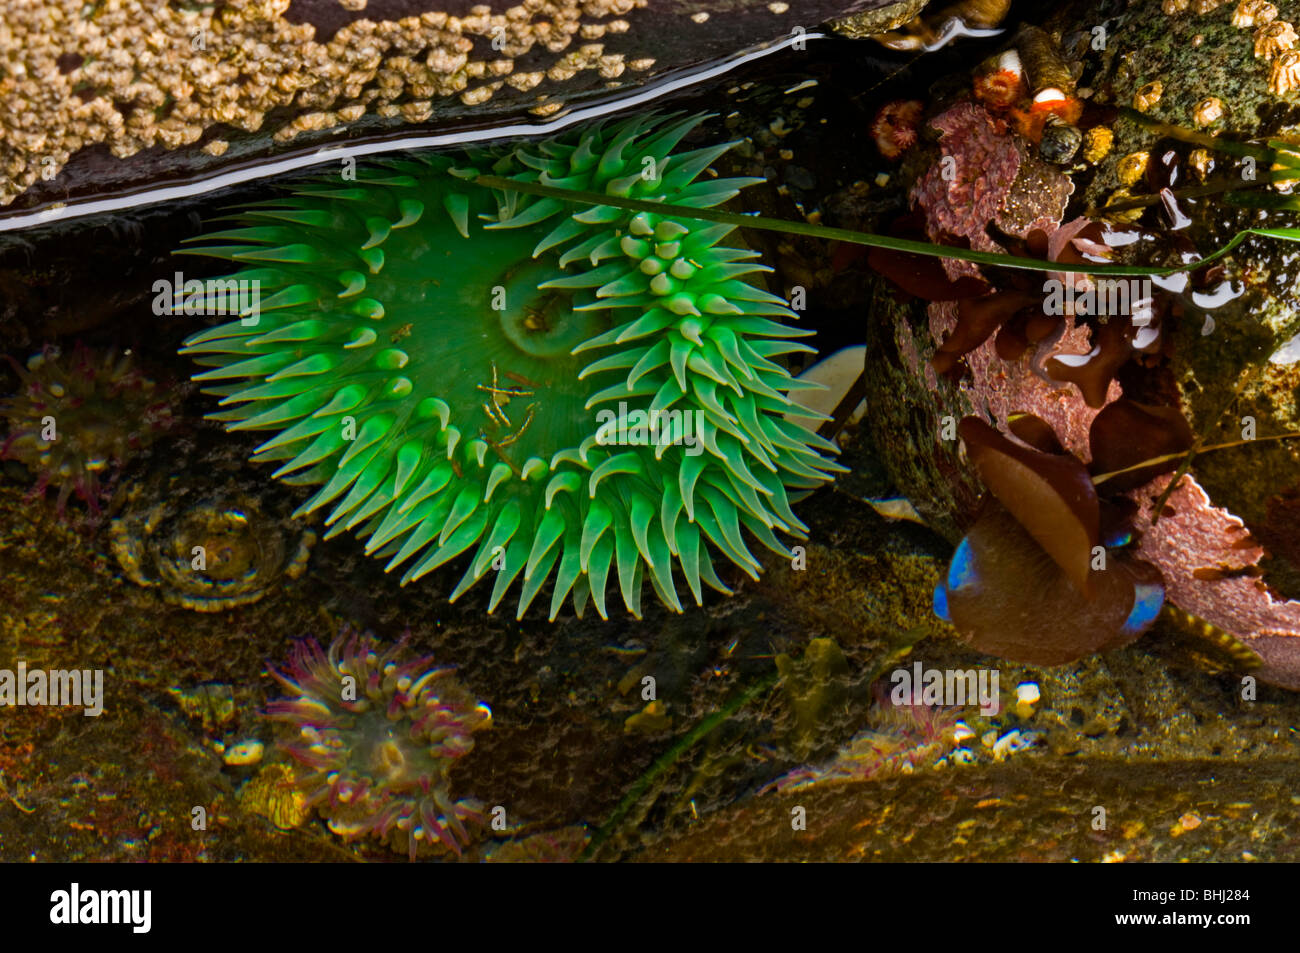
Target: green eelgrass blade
{"x":1262,"y":154}
{"x":865,"y":238}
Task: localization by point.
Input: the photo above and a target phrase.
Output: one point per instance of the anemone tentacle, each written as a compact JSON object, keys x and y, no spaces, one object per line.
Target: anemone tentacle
{"x":452,"y":364}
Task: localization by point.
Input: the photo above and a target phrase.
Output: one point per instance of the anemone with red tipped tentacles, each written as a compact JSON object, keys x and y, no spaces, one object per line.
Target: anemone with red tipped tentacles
{"x":894,"y":129}
{"x":377,"y":732}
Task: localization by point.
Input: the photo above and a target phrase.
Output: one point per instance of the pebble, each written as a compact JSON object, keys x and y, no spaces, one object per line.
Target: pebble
{"x":244,"y":753}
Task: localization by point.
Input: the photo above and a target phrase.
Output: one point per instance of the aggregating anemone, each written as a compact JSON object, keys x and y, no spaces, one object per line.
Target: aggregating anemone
{"x":377,"y":731}
{"x":76,"y":418}
{"x":558,"y":390}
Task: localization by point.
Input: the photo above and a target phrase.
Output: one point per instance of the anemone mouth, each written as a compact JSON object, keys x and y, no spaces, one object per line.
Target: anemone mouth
{"x":233,"y":554}
{"x":444,"y":359}
{"x":543,"y":324}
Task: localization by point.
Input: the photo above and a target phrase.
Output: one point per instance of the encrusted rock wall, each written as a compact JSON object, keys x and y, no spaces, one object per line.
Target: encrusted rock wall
{"x":113,"y":96}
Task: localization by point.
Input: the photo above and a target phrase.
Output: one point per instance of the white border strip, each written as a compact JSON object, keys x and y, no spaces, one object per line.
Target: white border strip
{"x":332,"y":153}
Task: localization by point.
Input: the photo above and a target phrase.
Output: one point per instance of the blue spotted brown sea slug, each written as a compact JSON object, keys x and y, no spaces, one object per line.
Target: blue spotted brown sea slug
{"x":435,"y":353}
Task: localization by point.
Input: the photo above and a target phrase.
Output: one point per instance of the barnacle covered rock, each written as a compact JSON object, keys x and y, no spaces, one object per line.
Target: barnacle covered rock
{"x":1242,"y":350}
{"x":106,"y":99}
{"x":557,"y":392}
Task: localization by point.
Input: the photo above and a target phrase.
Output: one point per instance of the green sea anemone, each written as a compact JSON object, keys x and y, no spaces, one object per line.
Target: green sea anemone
{"x":560,"y":388}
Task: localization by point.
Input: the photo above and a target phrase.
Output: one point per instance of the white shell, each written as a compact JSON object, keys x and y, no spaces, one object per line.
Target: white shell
{"x":836,"y":373}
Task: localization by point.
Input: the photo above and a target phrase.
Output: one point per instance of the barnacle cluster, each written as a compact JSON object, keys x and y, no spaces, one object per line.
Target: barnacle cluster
{"x":558,"y":392}
{"x":1274,"y":42}
{"x":1253,"y":13}
{"x":377,"y":732}
{"x":1274,"y":38}
{"x":77,"y":418}
{"x":133,"y":75}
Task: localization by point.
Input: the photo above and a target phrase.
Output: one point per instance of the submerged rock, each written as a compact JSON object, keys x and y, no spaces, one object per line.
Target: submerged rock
{"x":1000,"y":814}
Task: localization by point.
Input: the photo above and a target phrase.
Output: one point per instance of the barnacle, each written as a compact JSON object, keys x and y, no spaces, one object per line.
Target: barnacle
{"x":1274,"y":38}
{"x":1207,"y":111}
{"x":1132,"y":168}
{"x":1097,"y":143}
{"x":1148,"y":96}
{"x":1284,"y":73}
{"x":1254,"y":13}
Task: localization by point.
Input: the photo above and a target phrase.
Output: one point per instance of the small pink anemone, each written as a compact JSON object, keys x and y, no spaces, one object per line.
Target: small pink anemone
{"x":378,"y":734}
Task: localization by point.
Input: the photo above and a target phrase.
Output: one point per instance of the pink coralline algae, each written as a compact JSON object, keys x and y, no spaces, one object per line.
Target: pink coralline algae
{"x":985,"y":175}
{"x":378,"y":734}
{"x":962,"y":191}
{"x":1000,"y":388}
{"x":1209,"y":562}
